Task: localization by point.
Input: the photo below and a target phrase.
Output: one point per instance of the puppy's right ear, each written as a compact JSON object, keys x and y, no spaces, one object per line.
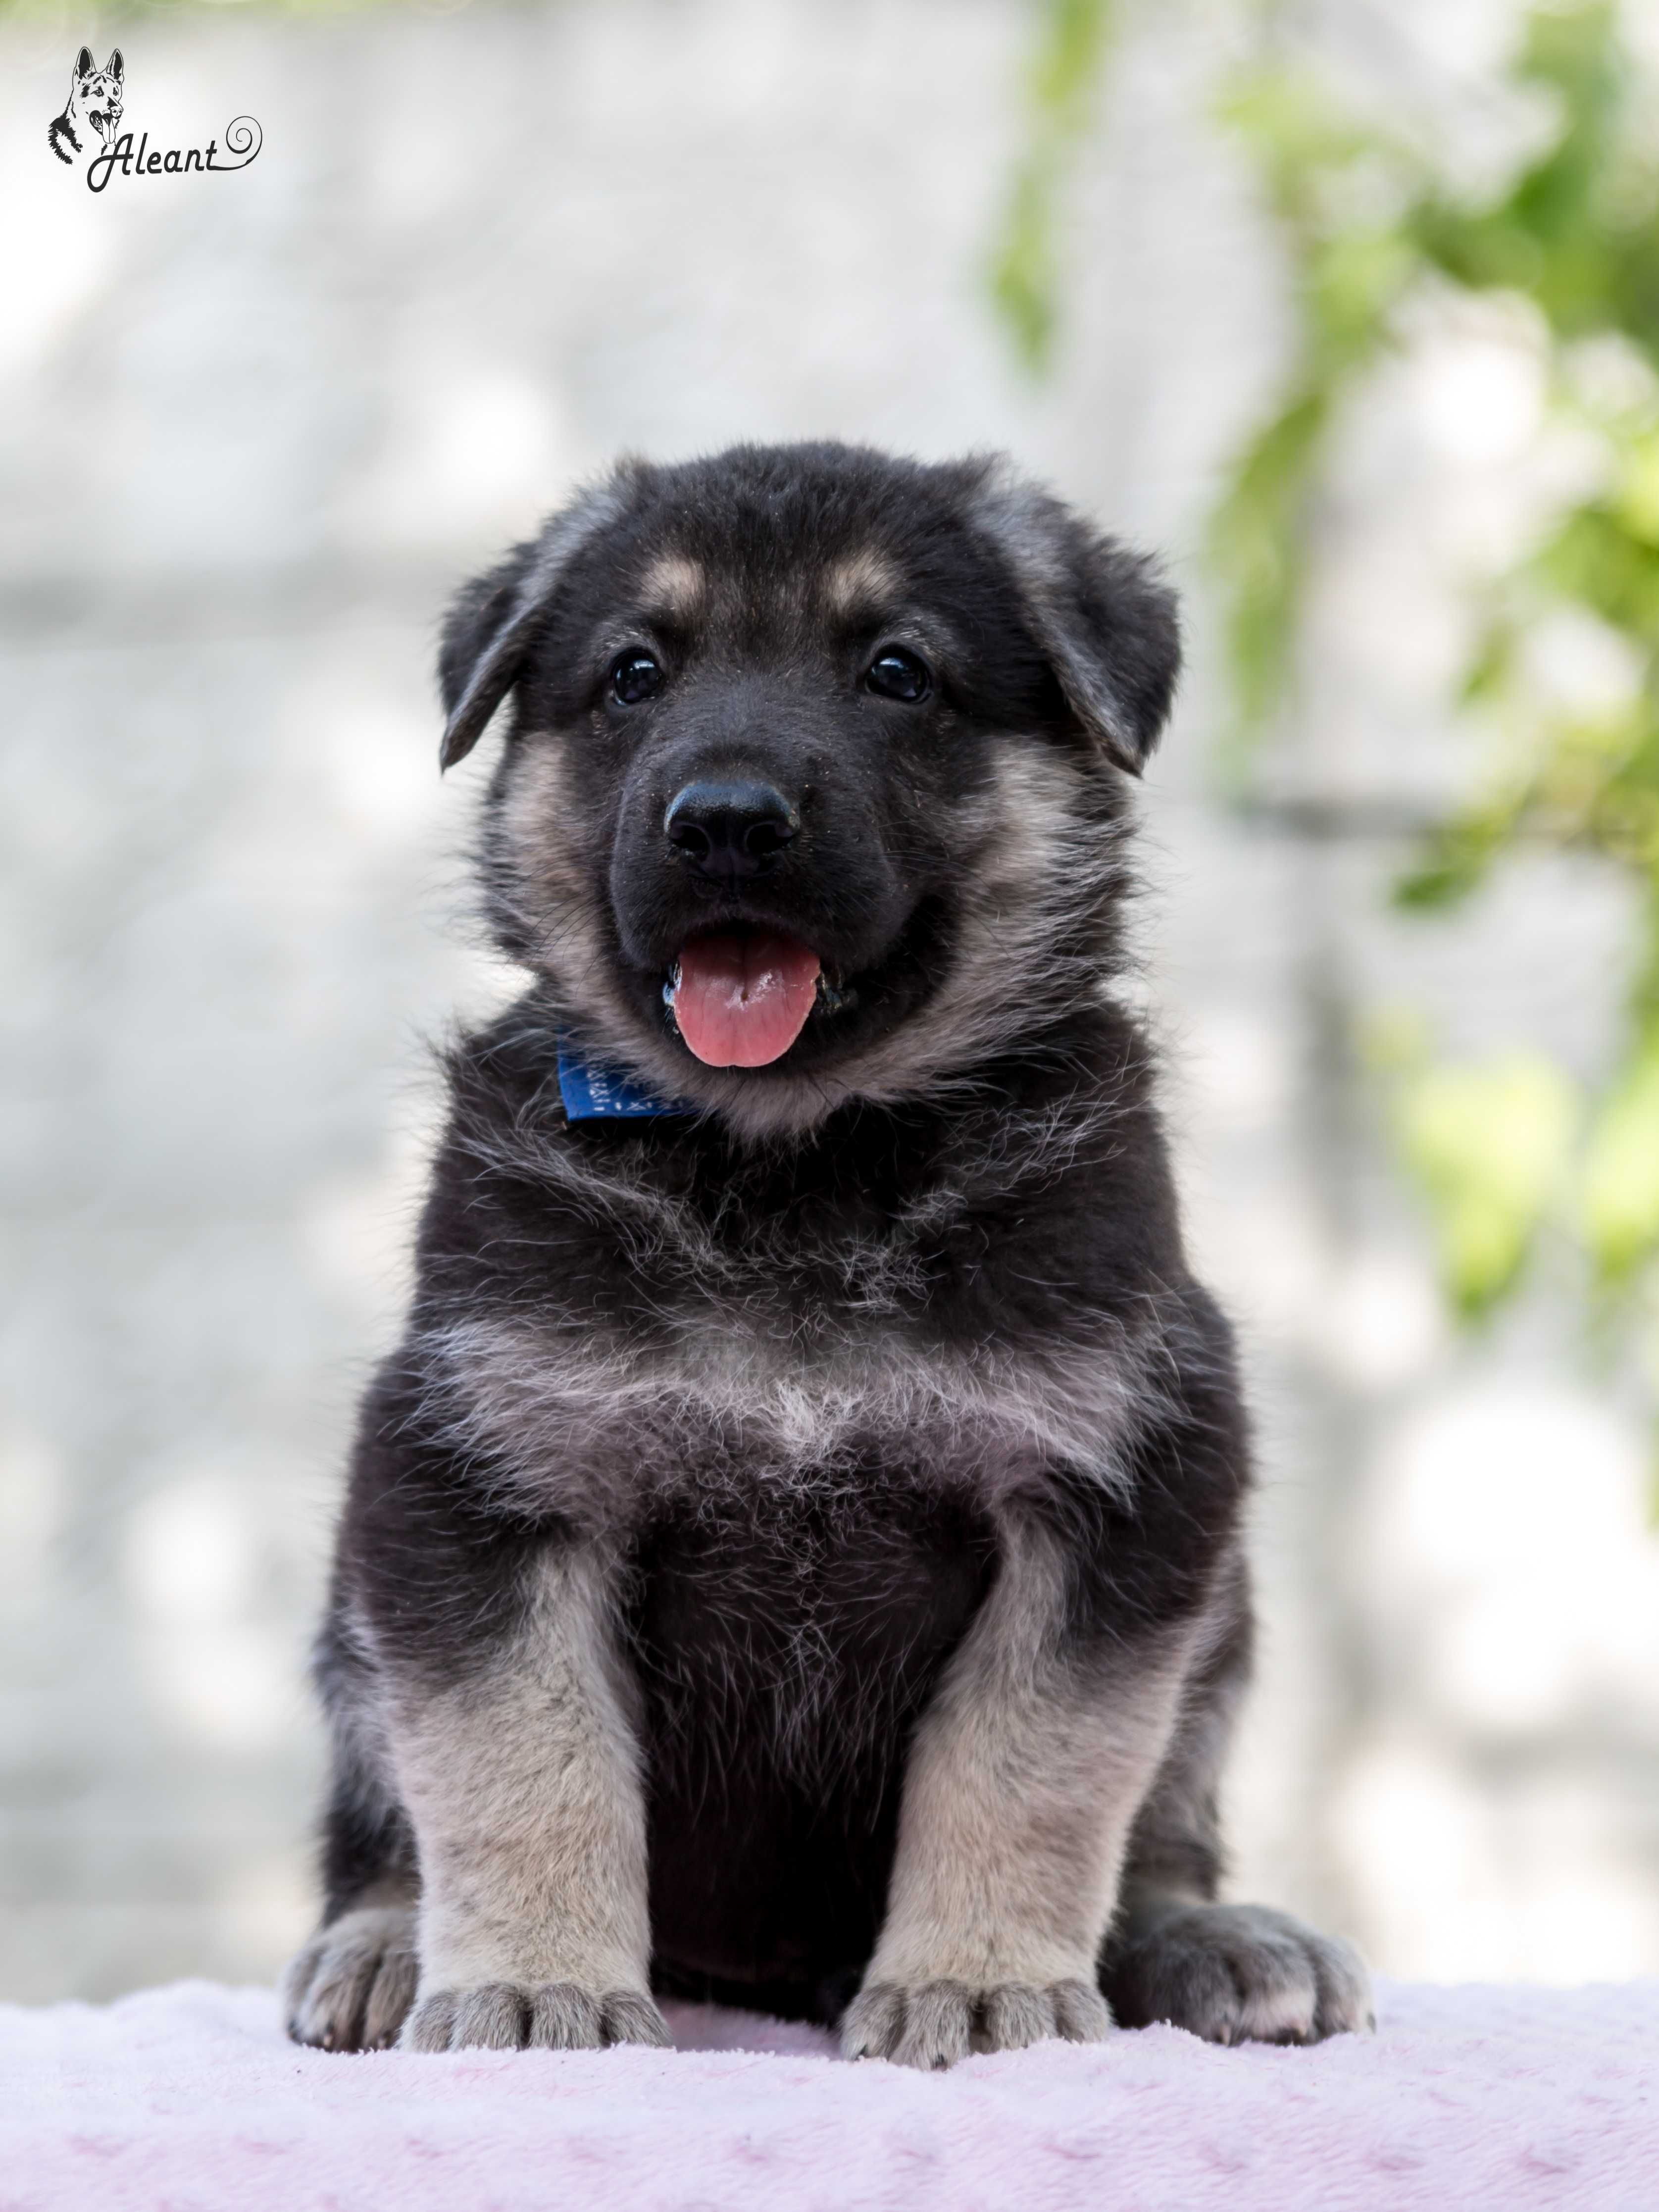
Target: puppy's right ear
{"x":84,"y":64}
{"x":481,"y":651}
{"x":493,"y":621}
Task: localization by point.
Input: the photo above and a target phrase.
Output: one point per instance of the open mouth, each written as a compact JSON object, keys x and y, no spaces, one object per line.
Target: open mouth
{"x":742,"y":997}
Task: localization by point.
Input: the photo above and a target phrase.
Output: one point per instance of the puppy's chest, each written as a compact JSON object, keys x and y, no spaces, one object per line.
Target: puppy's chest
{"x":795,"y":1616}
{"x":840,"y":1350}
{"x":816,"y":1536}
{"x":729,"y":1347}
{"x":762,"y":1304}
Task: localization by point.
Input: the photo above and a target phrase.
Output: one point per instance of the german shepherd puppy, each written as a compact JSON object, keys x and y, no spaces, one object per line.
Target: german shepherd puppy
{"x":95,"y":103}
{"x":793,"y":1557}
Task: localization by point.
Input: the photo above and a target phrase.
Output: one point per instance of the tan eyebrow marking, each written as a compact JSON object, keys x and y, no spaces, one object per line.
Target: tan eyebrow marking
{"x":674,"y":587}
{"x":863,"y":580}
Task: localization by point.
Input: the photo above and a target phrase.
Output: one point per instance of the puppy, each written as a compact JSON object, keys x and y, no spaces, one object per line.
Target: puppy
{"x":93,"y":104}
{"x":793,"y":1557}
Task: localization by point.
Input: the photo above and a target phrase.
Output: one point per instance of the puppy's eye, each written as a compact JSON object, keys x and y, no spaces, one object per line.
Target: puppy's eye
{"x":634,"y":675}
{"x":896,"y":674}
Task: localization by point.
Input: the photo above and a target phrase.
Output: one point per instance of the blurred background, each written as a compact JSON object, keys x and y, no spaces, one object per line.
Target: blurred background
{"x":1350,"y":309}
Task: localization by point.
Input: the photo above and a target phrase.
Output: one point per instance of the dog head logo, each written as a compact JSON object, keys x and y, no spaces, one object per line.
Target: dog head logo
{"x":87,"y":122}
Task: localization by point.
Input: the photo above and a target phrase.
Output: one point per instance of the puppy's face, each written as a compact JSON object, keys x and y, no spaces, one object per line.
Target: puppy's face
{"x":811,"y":785}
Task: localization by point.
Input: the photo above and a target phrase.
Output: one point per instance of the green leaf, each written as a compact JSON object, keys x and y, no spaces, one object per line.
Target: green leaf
{"x":1455,"y":859}
{"x":1620,"y":1183}
{"x":1022,"y":280}
{"x":1490,"y":1147}
{"x":1024,"y":269}
{"x":1257,"y":545}
{"x":1637,"y":497}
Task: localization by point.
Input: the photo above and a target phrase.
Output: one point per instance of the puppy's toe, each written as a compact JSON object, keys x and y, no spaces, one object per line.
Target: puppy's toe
{"x":1014,"y":2015}
{"x":350,"y":1987}
{"x":390,"y":1997}
{"x":1345,"y":2006}
{"x":938,"y":2025}
{"x":1242,"y":1972}
{"x":494,"y":2018}
{"x":429,"y":2027}
{"x":629,"y":2016}
{"x":556,"y":2016}
{"x":933,"y":2024}
{"x":1081,"y":2013}
{"x":922,"y":2024}
{"x":871,"y":2025}
{"x":565,"y":2018}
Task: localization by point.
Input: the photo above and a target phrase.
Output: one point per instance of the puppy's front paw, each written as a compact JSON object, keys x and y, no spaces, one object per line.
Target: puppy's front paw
{"x":557,"y":2016}
{"x":349,"y":1987}
{"x":1238,"y":1972}
{"x":930,"y":2024}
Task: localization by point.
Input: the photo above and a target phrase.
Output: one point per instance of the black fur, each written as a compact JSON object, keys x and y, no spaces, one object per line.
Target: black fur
{"x":1000,"y":1205}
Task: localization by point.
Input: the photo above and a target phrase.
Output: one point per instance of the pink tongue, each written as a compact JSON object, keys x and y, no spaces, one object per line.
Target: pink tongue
{"x":742,"y":1002}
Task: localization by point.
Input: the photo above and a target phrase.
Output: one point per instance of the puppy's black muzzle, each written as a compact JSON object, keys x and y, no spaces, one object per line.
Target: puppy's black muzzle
{"x":730,"y":831}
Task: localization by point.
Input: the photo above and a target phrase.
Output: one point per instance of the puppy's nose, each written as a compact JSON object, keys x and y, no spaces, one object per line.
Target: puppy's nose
{"x":730,"y":829}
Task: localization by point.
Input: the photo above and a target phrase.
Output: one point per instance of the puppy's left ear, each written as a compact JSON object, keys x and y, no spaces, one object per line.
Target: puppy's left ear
{"x":1106,"y":623}
{"x":115,"y":66}
{"x":493,"y":621}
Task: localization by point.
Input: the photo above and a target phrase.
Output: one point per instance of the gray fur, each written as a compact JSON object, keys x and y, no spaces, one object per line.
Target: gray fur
{"x":937,"y":2023}
{"x":557,"y":2016}
{"x":351,"y":1986}
{"x":524,"y":1784}
{"x":1019,"y":1793}
{"x":1238,"y":1972}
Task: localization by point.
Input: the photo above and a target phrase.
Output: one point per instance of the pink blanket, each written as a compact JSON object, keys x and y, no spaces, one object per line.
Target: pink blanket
{"x":188,"y":2099}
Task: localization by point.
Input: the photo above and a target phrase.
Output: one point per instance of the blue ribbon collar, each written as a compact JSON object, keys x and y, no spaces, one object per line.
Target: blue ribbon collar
{"x":594,"y":1092}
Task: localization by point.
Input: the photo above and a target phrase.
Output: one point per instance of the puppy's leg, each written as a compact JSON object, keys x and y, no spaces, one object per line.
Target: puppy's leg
{"x":523,"y":1783}
{"x":1023,"y":1779}
{"x":351,"y":1986}
{"x":1228,"y":1972}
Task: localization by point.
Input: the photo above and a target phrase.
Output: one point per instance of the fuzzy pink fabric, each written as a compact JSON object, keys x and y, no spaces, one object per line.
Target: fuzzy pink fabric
{"x":188,"y":2099}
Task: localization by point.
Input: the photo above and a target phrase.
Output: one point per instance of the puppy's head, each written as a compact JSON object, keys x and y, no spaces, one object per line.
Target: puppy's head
{"x":814,"y":787}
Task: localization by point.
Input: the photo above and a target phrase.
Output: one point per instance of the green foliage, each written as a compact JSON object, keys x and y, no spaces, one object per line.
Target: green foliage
{"x":1492,"y":1147}
{"x":1025,"y":272}
{"x":1505,"y":1149}
{"x":1259,"y":539}
{"x":1621,"y":1186}
{"x":1347,"y":275}
{"x":1369,"y":227}
{"x":1367,"y":221}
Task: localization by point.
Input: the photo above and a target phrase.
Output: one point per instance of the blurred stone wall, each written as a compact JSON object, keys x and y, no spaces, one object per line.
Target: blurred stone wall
{"x":254,"y":428}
